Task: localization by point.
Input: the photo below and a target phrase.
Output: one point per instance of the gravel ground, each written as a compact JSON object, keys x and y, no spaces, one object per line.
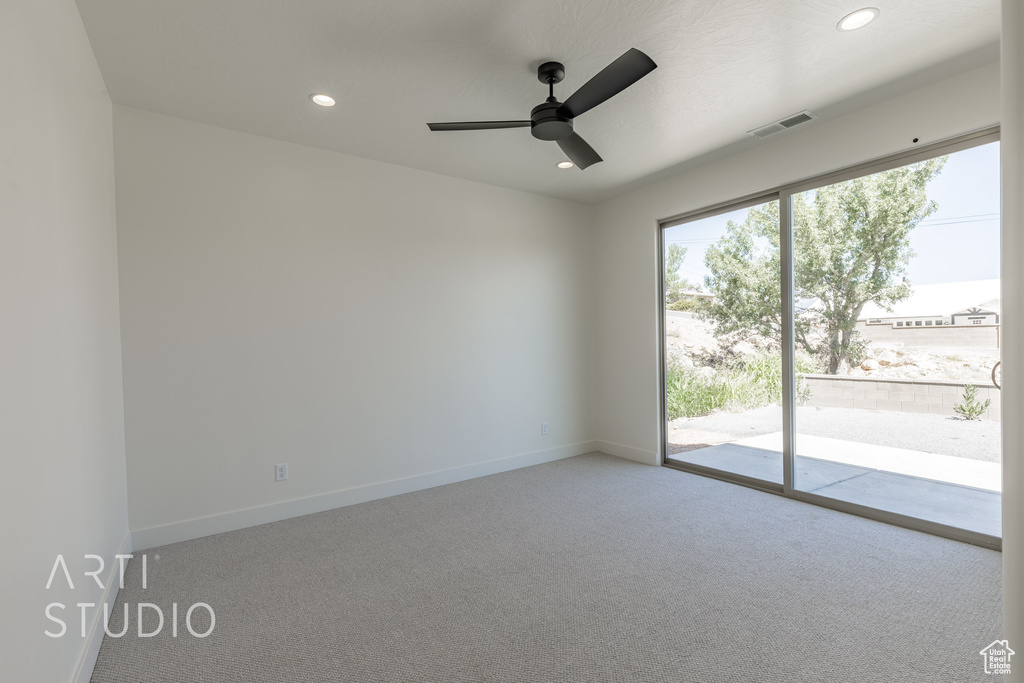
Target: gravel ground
{"x":976,"y":439}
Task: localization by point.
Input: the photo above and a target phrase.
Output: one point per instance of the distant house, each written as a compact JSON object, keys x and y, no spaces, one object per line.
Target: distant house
{"x":947,"y":303}
{"x":695,"y":294}
{"x":985,"y":314}
{"x":974,"y":304}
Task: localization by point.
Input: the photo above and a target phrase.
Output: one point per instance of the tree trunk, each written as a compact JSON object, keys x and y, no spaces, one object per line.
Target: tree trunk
{"x":835,"y":351}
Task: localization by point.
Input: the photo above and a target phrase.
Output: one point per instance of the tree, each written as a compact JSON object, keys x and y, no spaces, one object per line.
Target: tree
{"x":851,"y":243}
{"x":675,"y":283}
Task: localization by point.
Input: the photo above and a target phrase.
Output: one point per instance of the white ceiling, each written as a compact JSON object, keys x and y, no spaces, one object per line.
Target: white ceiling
{"x":725,"y":67}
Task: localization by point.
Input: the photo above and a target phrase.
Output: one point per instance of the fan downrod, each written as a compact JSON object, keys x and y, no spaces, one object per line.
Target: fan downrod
{"x":546,"y":122}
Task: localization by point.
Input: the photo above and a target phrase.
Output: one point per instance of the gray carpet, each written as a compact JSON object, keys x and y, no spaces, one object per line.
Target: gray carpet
{"x":587,"y":569}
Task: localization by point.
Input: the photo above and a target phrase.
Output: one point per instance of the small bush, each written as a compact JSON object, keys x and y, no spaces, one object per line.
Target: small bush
{"x":971,"y":408}
{"x":857,"y":351}
{"x":684,"y":305}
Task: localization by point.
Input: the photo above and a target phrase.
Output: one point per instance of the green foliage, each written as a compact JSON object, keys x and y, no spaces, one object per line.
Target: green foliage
{"x":684,"y":304}
{"x":738,"y":384}
{"x":744,"y":280}
{"x":675,"y":284}
{"x":851,"y":243}
{"x":971,"y":408}
{"x":856,"y":350}
{"x":688,"y":394}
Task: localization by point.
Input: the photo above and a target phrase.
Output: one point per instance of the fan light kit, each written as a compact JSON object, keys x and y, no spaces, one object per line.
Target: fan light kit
{"x":553,"y":120}
{"x":858,"y":19}
{"x":322,"y":100}
{"x":565,"y":164}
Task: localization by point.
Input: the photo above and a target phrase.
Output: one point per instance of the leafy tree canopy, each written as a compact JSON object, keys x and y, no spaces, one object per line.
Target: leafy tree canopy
{"x":851,"y":243}
{"x":675,"y":284}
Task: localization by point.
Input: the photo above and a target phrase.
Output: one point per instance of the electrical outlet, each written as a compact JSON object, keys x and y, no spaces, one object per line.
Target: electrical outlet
{"x":281,"y":472}
{"x":543,"y":428}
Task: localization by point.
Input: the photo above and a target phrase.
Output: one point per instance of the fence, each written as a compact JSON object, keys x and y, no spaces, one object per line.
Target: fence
{"x":959,"y":336}
{"x":904,"y":395}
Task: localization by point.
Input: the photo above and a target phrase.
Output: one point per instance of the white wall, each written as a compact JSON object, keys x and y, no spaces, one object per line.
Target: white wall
{"x":627,"y":417}
{"x":379,"y":329}
{"x":61,"y":416}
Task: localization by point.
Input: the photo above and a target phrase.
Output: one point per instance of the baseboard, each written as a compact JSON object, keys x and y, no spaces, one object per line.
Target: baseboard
{"x":87,"y":661}
{"x":143,"y":539}
{"x":628,"y":452}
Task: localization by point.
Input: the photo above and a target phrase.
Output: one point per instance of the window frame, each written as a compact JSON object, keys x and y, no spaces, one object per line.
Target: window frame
{"x":784,"y":194}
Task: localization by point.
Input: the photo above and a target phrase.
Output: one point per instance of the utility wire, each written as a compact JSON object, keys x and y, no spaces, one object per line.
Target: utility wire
{"x":928,"y":222}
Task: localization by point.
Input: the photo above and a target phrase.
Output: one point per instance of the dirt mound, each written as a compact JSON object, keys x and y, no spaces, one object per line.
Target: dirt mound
{"x":692,"y":342}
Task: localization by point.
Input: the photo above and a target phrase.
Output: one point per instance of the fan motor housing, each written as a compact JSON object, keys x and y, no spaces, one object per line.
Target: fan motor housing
{"x":546,"y":124}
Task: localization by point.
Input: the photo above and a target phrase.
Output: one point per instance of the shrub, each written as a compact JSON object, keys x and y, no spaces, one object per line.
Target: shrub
{"x":684,"y":305}
{"x":689,"y":394}
{"x":971,"y":408}
{"x":740,"y":383}
{"x":857,"y":351}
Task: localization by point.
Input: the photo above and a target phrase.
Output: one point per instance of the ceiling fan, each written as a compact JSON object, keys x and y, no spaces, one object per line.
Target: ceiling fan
{"x":552,"y":120}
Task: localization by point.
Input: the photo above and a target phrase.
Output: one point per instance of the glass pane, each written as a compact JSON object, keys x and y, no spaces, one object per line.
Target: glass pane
{"x":722,"y":345}
{"x":897,"y":337}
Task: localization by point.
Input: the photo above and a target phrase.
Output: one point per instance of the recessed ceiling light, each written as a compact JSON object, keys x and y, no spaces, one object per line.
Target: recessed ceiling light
{"x":322,"y":100}
{"x":858,"y":19}
{"x":564,"y":164}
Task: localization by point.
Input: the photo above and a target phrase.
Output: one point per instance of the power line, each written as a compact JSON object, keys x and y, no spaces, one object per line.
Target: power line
{"x":949,"y":218}
{"x":927,"y":223}
{"x":922,"y":224}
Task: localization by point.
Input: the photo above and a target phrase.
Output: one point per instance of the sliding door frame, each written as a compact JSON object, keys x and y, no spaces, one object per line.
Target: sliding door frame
{"x":662,"y":225}
{"x":784,"y":195}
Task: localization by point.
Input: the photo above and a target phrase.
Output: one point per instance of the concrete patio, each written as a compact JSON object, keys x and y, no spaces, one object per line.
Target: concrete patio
{"x":950,"y":490}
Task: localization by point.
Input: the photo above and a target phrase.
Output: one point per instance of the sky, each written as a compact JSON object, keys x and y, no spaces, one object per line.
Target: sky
{"x":959,"y":242}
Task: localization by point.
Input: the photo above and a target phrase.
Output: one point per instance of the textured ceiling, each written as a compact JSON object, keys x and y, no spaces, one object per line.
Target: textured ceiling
{"x":725,"y":67}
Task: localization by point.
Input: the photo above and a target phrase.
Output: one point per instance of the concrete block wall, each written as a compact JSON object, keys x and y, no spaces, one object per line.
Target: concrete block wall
{"x":903,"y":395}
{"x":972,"y":337}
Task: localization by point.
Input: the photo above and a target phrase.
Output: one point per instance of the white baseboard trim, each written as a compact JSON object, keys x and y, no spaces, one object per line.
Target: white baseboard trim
{"x":87,"y":660}
{"x":628,"y":452}
{"x":143,"y":539}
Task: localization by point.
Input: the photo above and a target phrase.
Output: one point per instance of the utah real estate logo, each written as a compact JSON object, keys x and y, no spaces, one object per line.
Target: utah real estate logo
{"x":997,"y":657}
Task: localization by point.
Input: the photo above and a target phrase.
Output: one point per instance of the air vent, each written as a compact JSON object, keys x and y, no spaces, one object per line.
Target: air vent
{"x":784,"y":124}
{"x":802,"y":117}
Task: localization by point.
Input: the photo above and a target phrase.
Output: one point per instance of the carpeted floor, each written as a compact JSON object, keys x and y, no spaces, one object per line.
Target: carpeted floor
{"x":588,"y":569}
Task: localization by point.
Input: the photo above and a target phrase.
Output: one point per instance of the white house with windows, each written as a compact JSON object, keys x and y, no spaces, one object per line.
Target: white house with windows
{"x":938,"y":307}
{"x":985,"y":314}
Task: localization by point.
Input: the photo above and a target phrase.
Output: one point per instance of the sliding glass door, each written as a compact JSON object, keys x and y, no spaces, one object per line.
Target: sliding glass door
{"x":839,"y":341}
{"x":896,"y":301}
{"x":723,"y":361}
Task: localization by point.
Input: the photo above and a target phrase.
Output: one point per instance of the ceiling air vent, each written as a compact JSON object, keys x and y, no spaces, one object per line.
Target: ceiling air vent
{"x":784,"y":124}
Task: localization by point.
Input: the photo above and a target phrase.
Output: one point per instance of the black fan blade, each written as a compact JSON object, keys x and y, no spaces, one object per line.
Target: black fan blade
{"x":613,"y":79}
{"x":578,"y":151}
{"x":478,"y":125}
